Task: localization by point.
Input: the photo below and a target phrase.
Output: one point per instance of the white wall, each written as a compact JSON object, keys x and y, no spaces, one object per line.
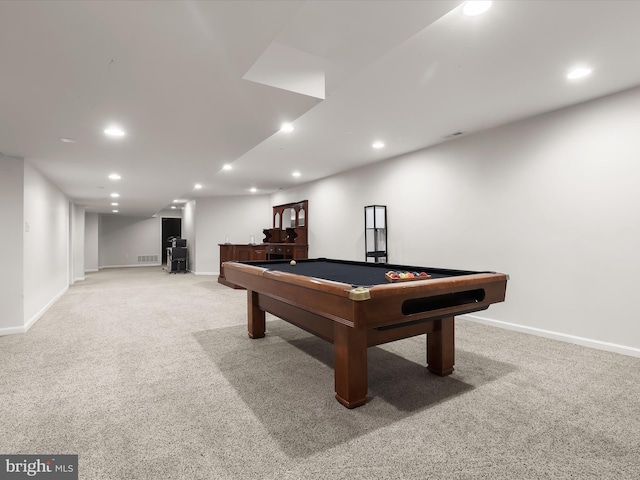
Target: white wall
{"x":123,"y":239}
{"x":46,"y":244}
{"x":77,"y":214}
{"x":91,"y":241}
{"x":235,"y":218}
{"x":553,"y":201}
{"x":11,"y":210}
{"x":189,"y":233}
{"x":238,"y":218}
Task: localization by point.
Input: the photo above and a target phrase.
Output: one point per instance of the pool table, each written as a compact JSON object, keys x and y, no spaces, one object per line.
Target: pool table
{"x":354,"y":306}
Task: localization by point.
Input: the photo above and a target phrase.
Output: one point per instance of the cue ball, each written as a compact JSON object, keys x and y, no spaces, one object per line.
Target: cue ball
{"x":292,"y":262}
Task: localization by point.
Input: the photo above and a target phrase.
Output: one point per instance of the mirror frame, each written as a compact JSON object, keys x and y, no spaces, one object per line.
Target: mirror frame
{"x":300,"y":229}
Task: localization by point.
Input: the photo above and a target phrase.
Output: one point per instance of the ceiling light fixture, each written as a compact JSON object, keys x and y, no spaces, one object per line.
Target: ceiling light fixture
{"x":296,"y":174}
{"x":578,"y":72}
{"x":114,"y":131}
{"x":286,"y":128}
{"x":115,"y":195}
{"x":197,"y":186}
{"x":378,"y":145}
{"x":114,"y":204}
{"x":115,"y":176}
{"x":114,"y":211}
{"x":475,"y":7}
{"x":253,"y":189}
{"x":227,"y":166}
{"x":67,"y":140}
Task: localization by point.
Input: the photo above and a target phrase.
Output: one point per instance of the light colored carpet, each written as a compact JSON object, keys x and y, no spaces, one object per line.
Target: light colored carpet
{"x":148,"y":375}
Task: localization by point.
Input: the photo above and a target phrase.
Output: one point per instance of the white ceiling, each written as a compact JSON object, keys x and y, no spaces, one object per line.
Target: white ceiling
{"x":408,"y":73}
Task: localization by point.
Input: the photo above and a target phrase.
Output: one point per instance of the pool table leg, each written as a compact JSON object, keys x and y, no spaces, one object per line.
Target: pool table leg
{"x":440,"y":347}
{"x":350,"y":365}
{"x":256,"y":321}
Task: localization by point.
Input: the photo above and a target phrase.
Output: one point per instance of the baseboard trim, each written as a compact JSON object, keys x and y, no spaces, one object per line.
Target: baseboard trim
{"x":25,"y":328}
{"x":11,"y":331}
{"x":44,"y":309}
{"x":563,"y":337}
{"x":134,"y":265}
{"x":205,"y":273}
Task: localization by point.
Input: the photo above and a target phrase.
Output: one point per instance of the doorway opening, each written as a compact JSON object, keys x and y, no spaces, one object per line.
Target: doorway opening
{"x":171,"y":227}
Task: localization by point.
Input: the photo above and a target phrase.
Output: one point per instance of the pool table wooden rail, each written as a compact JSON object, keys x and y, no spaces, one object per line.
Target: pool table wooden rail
{"x":331,"y":299}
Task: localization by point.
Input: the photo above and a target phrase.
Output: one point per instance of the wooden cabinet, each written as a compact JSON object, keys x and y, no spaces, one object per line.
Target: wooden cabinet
{"x":285,"y":250}
{"x":245,"y":253}
{"x":255,"y":252}
{"x":287,"y":239}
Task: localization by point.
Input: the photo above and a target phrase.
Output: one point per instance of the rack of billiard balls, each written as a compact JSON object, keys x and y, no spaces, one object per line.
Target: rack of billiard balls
{"x":399,"y":276}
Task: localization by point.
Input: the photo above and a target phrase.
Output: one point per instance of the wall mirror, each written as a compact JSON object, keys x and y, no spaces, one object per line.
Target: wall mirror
{"x":289,"y":218}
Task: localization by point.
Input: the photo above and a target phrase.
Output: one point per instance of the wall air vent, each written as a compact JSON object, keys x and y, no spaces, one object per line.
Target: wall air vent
{"x":147,"y":258}
{"x":454,"y":134}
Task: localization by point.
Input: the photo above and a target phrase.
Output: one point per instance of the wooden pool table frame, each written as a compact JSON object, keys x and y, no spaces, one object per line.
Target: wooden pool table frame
{"x":354,"y":319}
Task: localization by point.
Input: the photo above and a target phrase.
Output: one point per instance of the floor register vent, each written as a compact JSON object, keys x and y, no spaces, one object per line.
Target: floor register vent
{"x":147,"y":258}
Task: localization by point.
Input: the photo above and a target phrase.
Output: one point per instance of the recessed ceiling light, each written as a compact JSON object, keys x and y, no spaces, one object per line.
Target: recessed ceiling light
{"x":115,"y":176}
{"x":67,"y":140}
{"x":114,"y":211}
{"x":115,"y":195}
{"x":114,"y":131}
{"x":227,"y":166}
{"x":578,"y":72}
{"x":114,"y":204}
{"x":378,"y":145}
{"x":475,"y":7}
{"x":286,"y":128}
{"x":253,"y":190}
{"x":296,"y":174}
{"x":197,"y":186}
{"x":173,"y":207}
